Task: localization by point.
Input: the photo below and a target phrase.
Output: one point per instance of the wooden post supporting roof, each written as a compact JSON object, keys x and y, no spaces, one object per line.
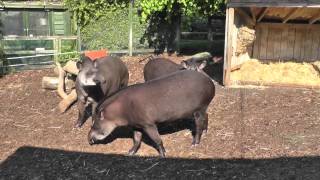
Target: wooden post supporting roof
{"x":228,"y":46}
{"x":245,"y":16}
{"x":290,"y":15}
{"x":263,"y":12}
{"x":314,"y":18}
{"x":253,"y":15}
{"x":273,"y":3}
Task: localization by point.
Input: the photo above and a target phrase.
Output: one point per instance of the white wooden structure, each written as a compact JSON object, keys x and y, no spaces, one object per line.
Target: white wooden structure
{"x":282,"y":30}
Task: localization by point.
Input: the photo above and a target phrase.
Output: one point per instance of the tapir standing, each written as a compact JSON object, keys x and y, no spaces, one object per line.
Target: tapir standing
{"x":97,"y":79}
{"x":159,"y":66}
{"x":179,"y":95}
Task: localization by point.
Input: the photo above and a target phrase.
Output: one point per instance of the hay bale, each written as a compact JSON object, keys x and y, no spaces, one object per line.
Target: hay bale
{"x":245,"y":39}
{"x":280,"y":72}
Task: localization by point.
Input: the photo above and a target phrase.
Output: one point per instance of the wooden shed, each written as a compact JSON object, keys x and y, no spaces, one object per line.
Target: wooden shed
{"x":269,"y":30}
{"x":32,"y":31}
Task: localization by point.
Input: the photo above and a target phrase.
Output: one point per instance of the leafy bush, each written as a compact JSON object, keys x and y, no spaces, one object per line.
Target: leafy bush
{"x":111,"y":31}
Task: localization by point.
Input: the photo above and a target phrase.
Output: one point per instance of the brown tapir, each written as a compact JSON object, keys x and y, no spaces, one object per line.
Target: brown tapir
{"x":159,"y":66}
{"x":96,"y":79}
{"x":179,"y":95}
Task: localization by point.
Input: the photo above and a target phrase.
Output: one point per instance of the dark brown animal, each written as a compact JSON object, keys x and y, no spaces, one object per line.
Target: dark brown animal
{"x":96,"y":79}
{"x":159,"y":66}
{"x":179,"y":95}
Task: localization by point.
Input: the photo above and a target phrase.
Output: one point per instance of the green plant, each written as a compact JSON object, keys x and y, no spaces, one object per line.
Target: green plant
{"x":86,"y":11}
{"x":69,"y":47}
{"x":201,"y":7}
{"x":112,"y":33}
{"x":164,"y":18}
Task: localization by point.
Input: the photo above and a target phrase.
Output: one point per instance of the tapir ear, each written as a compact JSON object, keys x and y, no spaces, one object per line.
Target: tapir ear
{"x":95,"y":64}
{"x":184,"y":64}
{"x":203,"y":65}
{"x":79,"y":64}
{"x":217,"y":59}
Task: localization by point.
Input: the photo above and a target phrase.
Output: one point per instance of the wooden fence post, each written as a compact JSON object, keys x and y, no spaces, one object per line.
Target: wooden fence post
{"x":228,"y":50}
{"x":130,"y":28}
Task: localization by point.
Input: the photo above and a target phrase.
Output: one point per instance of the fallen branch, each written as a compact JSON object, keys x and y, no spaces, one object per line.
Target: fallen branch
{"x":61,"y":85}
{"x":67,"y":101}
{"x":71,"y":67}
{"x":52,"y":83}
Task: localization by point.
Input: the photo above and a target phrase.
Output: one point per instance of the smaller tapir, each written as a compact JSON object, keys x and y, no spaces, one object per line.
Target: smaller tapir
{"x":157,"y":67}
{"x":97,"y":79}
{"x":179,"y":95}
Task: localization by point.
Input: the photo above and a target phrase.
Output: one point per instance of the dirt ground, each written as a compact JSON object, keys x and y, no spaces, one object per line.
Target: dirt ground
{"x":254,"y":133}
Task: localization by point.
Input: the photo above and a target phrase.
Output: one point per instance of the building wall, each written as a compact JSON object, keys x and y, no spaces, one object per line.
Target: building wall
{"x":298,"y":42}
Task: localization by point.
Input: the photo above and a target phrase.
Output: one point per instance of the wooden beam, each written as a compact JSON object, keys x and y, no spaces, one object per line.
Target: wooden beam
{"x":290,"y":15}
{"x":254,"y":18}
{"x":246,"y":16}
{"x":314,"y":18}
{"x":272,"y":84}
{"x":228,"y":50}
{"x":274,"y":4}
{"x":32,"y":5}
{"x":263,"y":12}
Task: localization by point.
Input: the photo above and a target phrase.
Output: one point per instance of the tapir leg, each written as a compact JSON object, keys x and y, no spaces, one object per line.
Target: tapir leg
{"x":200,"y":118}
{"x":206,"y":123}
{"x":94,"y":114}
{"x":137,"y":136}
{"x":153,"y":133}
{"x":83,"y":114}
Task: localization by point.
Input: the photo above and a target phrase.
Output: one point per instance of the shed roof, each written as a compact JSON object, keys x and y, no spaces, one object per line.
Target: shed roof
{"x":31,"y":5}
{"x":274,"y":3}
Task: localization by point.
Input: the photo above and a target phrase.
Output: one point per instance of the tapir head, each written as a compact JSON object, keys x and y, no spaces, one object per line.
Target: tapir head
{"x":88,"y":71}
{"x":100,"y":129}
{"x":194,"y":65}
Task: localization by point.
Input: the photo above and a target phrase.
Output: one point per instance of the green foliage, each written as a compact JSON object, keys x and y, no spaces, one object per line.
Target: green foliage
{"x":111,"y":31}
{"x":163,"y":16}
{"x":86,"y":11}
{"x":105,"y":24}
{"x":201,"y":7}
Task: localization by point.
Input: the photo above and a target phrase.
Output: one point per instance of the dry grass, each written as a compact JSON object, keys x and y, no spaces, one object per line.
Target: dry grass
{"x":279,"y":72}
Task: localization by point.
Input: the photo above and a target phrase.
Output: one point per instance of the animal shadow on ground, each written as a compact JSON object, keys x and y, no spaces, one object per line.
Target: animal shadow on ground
{"x":163,"y":128}
{"x":42,"y":163}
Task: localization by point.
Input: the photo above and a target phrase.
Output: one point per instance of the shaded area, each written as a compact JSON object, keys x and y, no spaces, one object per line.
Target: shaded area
{"x":41,"y":163}
{"x":215,"y":71}
{"x":164,"y":128}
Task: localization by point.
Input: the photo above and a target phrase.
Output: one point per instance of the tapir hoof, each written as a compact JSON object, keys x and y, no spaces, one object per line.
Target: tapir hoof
{"x":131,"y":153}
{"x":162,"y":155}
{"x":205,"y":131}
{"x":78,"y":125}
{"x":195,"y":143}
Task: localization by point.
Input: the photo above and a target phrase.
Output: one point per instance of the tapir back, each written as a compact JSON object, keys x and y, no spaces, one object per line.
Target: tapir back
{"x":159,"y":67}
{"x":171,"y":97}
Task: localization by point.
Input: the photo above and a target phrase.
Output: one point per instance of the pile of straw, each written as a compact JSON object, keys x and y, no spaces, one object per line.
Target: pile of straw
{"x":280,"y":72}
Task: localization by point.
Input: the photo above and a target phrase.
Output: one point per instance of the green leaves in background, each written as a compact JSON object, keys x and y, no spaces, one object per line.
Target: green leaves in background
{"x":111,"y":31}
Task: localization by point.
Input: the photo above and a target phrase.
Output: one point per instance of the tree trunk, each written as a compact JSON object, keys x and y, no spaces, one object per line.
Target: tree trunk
{"x":210,"y":32}
{"x":174,"y":29}
{"x":178,"y":33}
